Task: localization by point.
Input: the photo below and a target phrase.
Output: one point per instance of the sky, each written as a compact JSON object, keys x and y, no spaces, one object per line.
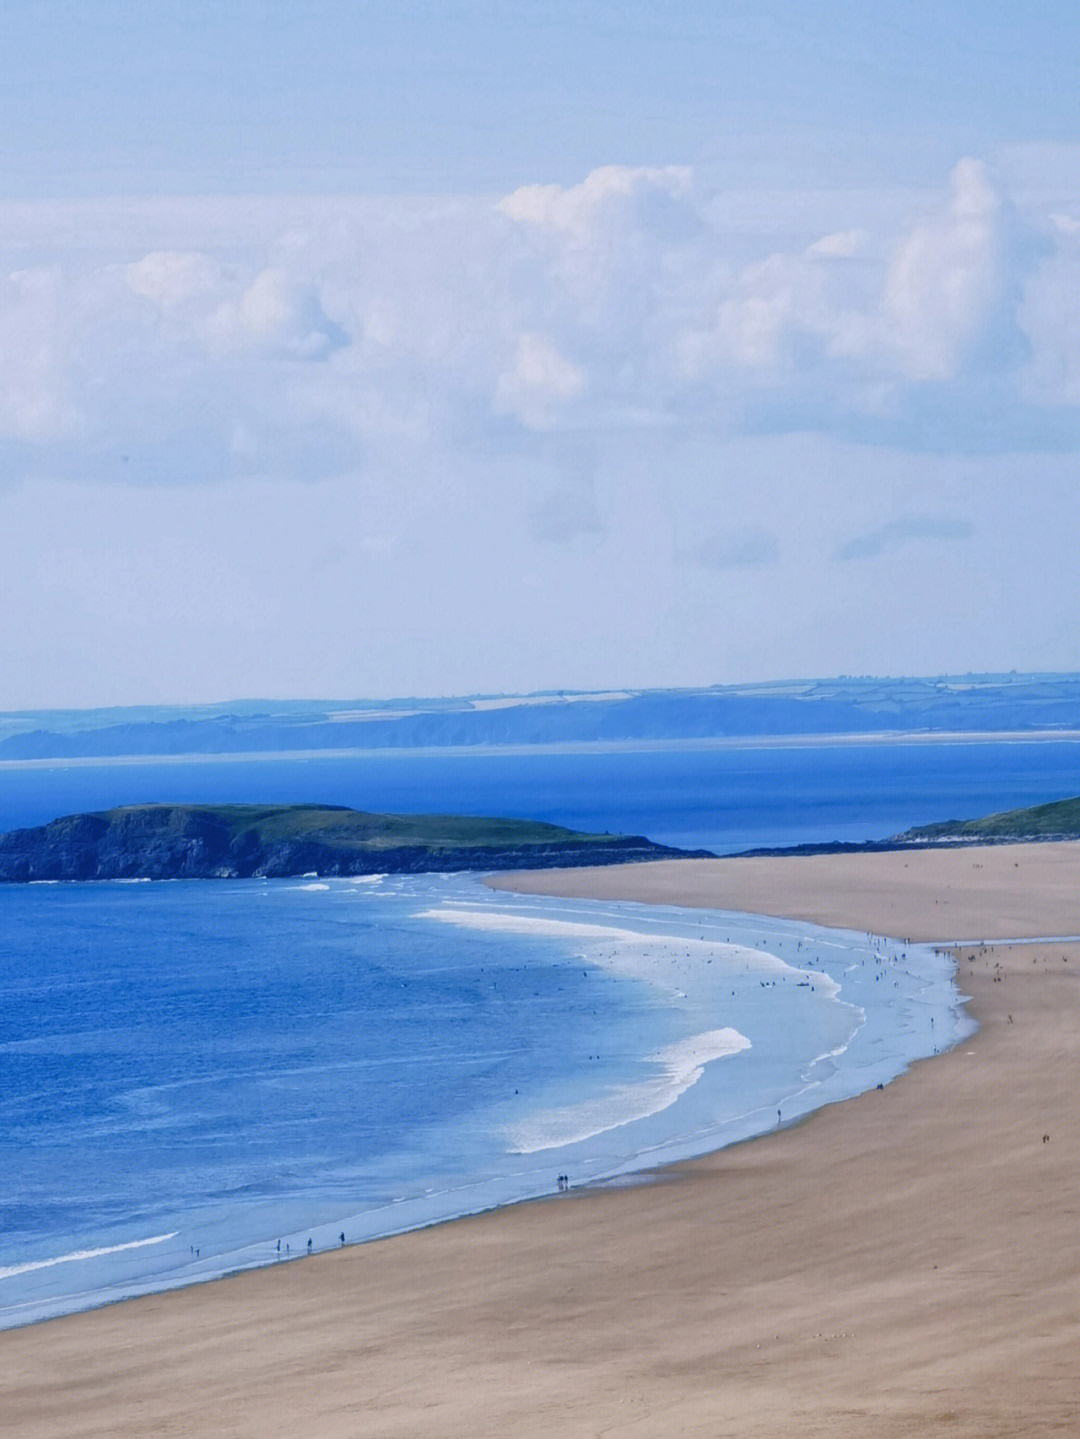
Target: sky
{"x":466,"y":346}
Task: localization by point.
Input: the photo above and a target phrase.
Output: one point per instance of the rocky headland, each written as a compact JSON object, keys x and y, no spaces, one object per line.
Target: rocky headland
{"x":180,"y":841}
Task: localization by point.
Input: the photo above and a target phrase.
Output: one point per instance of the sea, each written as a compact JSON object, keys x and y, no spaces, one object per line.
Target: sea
{"x":198,"y":1077}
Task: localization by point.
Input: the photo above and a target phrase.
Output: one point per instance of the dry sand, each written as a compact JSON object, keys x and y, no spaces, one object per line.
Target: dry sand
{"x":1008,"y":891}
{"x":905,"y":1263}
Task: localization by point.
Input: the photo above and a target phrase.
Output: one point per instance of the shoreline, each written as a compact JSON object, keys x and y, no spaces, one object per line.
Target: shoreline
{"x":927,"y":895}
{"x":901,"y":1262}
{"x":678,"y":1101}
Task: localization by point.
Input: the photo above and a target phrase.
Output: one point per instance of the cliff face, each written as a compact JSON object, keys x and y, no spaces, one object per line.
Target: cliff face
{"x":199,"y":842}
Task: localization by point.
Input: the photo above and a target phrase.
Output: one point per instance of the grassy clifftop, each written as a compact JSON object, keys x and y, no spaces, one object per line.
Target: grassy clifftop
{"x":275,"y":824}
{"x":1059,"y":820}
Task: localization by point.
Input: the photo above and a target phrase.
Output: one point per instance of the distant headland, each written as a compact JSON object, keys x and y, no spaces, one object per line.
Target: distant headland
{"x":194,"y":841}
{"x":1058,"y":820}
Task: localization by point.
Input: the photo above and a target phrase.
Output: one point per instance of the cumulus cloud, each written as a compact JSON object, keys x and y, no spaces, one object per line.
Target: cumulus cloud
{"x":253,"y":336}
{"x":952,"y":288}
{"x":218,"y":303}
{"x":865,"y":333}
{"x":538,"y":383}
{"x":170,"y":277}
{"x":280,"y":313}
{"x":612,"y":198}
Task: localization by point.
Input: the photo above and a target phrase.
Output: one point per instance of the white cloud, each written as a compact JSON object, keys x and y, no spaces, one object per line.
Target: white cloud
{"x":538,"y":383}
{"x":605,"y":198}
{"x":844,"y":245}
{"x":172,"y":277}
{"x":279,"y":313}
{"x":294,"y":338}
{"x":953,"y":280}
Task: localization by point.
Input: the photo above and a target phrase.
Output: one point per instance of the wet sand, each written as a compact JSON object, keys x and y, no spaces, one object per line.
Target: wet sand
{"x":905,"y":1263}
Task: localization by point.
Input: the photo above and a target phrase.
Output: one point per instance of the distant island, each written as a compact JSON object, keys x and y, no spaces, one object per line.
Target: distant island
{"x":195,"y":841}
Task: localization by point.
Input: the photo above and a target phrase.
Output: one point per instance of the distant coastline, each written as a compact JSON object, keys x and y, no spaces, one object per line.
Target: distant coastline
{"x":792,"y":711}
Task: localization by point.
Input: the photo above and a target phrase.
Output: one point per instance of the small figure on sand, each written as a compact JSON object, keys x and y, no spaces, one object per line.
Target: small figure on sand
{"x":341,"y":1236}
{"x":309,"y":1246}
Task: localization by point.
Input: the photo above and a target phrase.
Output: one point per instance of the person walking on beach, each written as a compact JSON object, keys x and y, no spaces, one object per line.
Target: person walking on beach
{"x":309,"y":1246}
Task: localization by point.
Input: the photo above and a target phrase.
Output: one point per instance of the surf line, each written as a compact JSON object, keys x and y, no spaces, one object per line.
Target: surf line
{"x":84,"y":1254}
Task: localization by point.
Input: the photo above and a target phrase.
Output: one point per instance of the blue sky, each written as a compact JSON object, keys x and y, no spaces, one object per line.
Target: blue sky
{"x":439,"y":347}
{"x":455,"y":95}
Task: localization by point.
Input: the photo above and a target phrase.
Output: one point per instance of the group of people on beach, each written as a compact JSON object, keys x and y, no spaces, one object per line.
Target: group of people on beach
{"x":310,"y":1248}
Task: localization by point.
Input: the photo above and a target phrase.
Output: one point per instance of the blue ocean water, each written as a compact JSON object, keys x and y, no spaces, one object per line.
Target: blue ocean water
{"x":193,"y":1072}
{"x":197,"y":1072}
{"x":720,"y":797}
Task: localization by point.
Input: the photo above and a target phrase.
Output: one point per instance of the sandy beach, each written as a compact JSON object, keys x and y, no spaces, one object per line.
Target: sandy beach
{"x":904,"y":1263}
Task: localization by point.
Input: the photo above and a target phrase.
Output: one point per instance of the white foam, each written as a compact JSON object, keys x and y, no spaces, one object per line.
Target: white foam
{"x":77,"y":1254}
{"x":682,"y":1065}
{"x":501,"y":923}
{"x":656,"y":958}
{"x":631,"y":942}
{"x":311,"y":886}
